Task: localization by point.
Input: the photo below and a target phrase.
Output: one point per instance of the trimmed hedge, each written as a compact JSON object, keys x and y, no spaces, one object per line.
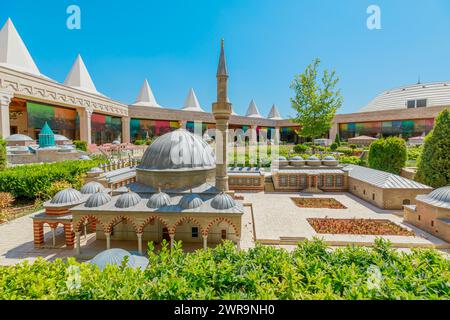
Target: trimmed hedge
{"x":311,"y":271}
{"x":80,"y":145}
{"x":388,"y":154}
{"x":3,"y":158}
{"x":31,"y":181}
{"x":434,"y":163}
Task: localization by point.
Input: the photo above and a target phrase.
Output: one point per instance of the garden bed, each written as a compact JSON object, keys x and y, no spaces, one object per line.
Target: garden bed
{"x":358,"y":226}
{"x":329,"y":203}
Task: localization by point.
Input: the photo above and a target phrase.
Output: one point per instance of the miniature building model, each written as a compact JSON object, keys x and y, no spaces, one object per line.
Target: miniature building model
{"x":181,"y":192}
{"x":245,"y":178}
{"x":431,"y":213}
{"x":311,"y":175}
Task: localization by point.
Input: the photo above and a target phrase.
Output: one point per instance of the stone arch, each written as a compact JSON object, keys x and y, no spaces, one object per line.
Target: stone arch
{"x":187,"y":219}
{"x":88,"y":218}
{"x":118,"y":219}
{"x":220,"y":219}
{"x":140,"y":229}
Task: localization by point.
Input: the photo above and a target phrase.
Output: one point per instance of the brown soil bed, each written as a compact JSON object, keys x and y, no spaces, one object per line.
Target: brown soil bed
{"x":358,"y":226}
{"x":329,"y":203}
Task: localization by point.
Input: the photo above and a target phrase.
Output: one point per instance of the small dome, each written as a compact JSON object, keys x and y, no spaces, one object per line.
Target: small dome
{"x":313,"y":158}
{"x":297,"y":158}
{"x":116,"y":142}
{"x":127,"y":200}
{"x":18,"y":137}
{"x":329,"y":158}
{"x":158,"y":200}
{"x":439,"y":197}
{"x":282,"y":158}
{"x":223,"y":201}
{"x":92,"y":187}
{"x":176,"y":150}
{"x":85,"y":157}
{"x":116,"y":257}
{"x":96,"y":170}
{"x":191,"y":201}
{"x":98,"y":199}
{"x":67,"y":196}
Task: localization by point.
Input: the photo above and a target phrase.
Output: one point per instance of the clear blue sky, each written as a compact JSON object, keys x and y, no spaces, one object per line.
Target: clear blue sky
{"x":175,"y":44}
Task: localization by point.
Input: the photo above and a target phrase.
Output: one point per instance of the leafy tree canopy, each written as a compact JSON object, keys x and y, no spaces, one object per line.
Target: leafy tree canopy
{"x":316,"y":100}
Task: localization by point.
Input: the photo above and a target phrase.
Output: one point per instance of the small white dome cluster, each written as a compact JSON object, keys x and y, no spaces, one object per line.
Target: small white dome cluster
{"x":158,"y":200}
{"x":127,"y":200}
{"x":191,"y":201}
{"x":98,"y":199}
{"x":67,"y":197}
{"x":223,"y":201}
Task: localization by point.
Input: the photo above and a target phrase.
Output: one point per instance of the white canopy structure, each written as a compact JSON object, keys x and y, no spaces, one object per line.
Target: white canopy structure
{"x":253,"y":111}
{"x":13,"y":52}
{"x":80,"y":78}
{"x":146,"y":97}
{"x":191,"y":103}
{"x":274,"y":114}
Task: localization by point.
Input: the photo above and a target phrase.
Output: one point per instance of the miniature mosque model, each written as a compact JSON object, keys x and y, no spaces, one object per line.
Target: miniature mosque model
{"x":180,"y":193}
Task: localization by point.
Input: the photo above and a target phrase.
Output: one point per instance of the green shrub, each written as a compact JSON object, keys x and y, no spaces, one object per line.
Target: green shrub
{"x":345,"y":150}
{"x":80,"y":145}
{"x":352,"y":160}
{"x":352,"y":146}
{"x":337,"y":140}
{"x":53,"y":189}
{"x":300,"y":148}
{"x":29,"y":181}
{"x":414,"y":152}
{"x":334,"y":146}
{"x":388,"y":154}
{"x":434,"y":163}
{"x":3,"y":158}
{"x":139,"y":142}
{"x":310,"y":271}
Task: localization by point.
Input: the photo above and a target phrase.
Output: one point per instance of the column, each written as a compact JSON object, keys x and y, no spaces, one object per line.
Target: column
{"x":238,"y":243}
{"x":253,"y":135}
{"x":205,"y":241}
{"x":333,"y":131}
{"x":78,"y":240}
{"x":126,"y":130}
{"x":38,"y":231}
{"x":69,"y":235}
{"x":85,"y":125}
{"x":139,"y":236}
{"x":276,"y":137}
{"x":221,"y":154}
{"x":5,"y":99}
{"x":172,"y":239}
{"x":108,"y":240}
{"x":53,"y":236}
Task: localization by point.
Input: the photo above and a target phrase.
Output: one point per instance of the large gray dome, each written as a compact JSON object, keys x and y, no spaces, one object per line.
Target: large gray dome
{"x":127,"y":200}
{"x":223,"y":201}
{"x":178,"y":149}
{"x":191,"y":201}
{"x":18,"y":137}
{"x":67,"y":196}
{"x":158,"y":200}
{"x":116,"y":257}
{"x":439,"y":197}
{"x":92,"y":187}
{"x":98,"y":199}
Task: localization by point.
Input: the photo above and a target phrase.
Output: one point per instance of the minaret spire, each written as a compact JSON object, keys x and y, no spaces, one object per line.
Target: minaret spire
{"x":222,"y":111}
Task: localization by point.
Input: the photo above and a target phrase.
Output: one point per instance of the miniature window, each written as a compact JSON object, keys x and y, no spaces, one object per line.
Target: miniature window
{"x":354,"y":188}
{"x":364,"y":192}
{"x":329,"y":181}
{"x":411,"y":104}
{"x":373,"y":196}
{"x":283,"y":181}
{"x":224,"y":234}
{"x":432,"y":223}
{"x":339,"y":181}
{"x":421,"y":103}
{"x":320,"y":181}
{"x":406,"y":202}
{"x":293,"y":181}
{"x":418,"y":218}
{"x":303,"y":181}
{"x":194,"y":232}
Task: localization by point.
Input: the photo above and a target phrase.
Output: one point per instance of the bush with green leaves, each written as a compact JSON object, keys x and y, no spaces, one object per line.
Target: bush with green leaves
{"x":352,"y":160}
{"x":80,"y":145}
{"x":434,"y":163}
{"x":139,"y":142}
{"x":337,"y":140}
{"x":414,"y":152}
{"x":345,"y":150}
{"x":334,"y":146}
{"x":3,"y":158}
{"x":300,"y":148}
{"x":311,"y":271}
{"x":29,"y":181}
{"x":388,"y":154}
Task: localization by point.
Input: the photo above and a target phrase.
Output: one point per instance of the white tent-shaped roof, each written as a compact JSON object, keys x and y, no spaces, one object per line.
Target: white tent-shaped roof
{"x":191,"y":103}
{"x":13,"y":52}
{"x":146,"y":97}
{"x":253,"y":111}
{"x":79,"y":77}
{"x":274,"y":114}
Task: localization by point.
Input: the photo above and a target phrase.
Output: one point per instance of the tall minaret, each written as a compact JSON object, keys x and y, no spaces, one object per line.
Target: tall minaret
{"x":222,"y":111}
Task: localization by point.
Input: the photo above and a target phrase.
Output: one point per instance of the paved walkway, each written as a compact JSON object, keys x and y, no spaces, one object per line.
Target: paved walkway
{"x":279,"y":221}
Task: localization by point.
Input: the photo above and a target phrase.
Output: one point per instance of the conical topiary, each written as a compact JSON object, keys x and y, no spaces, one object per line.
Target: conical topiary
{"x":434,"y":163}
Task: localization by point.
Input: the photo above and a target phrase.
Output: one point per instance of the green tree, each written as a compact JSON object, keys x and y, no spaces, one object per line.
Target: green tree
{"x":388,"y":154}
{"x":434,"y":163}
{"x":3,"y":159}
{"x":316,"y":101}
{"x":337,"y":140}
